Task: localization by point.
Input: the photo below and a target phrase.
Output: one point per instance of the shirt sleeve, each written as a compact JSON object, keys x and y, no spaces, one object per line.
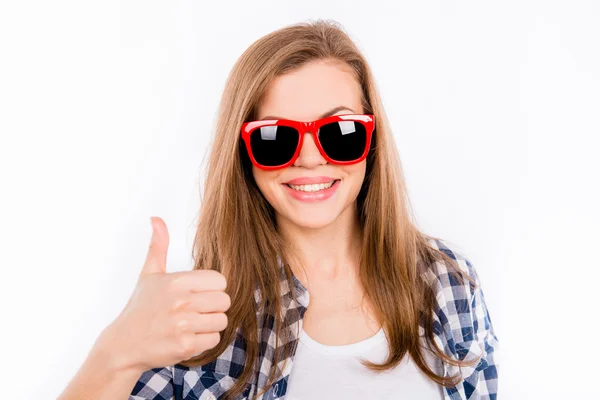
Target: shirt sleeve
{"x":481,"y":381}
{"x":154,"y":384}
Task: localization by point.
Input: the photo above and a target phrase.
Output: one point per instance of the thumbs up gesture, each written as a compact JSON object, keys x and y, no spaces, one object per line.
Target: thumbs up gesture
{"x":169,"y":317}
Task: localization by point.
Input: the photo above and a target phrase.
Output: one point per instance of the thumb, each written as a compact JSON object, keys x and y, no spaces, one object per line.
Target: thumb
{"x":156,"y":260}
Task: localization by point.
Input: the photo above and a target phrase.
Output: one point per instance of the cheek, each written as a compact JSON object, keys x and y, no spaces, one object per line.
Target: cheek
{"x":259,"y":177}
{"x":265,"y":180}
{"x":356,"y":174}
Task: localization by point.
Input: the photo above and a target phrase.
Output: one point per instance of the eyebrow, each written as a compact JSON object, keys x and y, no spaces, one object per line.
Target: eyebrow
{"x":327,"y":114}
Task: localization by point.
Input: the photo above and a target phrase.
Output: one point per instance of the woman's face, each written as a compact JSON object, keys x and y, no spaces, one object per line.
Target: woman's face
{"x":305,"y":95}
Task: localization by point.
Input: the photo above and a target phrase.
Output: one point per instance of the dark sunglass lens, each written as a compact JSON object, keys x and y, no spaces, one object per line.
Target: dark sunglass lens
{"x":343,"y":140}
{"x":274,"y":145}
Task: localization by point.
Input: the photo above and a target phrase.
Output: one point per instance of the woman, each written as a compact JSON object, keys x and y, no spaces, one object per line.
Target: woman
{"x":330,"y":290}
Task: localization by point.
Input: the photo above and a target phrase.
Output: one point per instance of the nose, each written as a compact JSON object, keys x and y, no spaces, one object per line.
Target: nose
{"x":309,"y":156}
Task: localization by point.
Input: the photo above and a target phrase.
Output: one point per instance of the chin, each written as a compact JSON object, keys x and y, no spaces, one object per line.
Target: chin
{"x":312,"y":220}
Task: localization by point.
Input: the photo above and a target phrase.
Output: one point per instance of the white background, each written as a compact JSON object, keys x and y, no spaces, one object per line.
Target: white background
{"x":107,"y":109}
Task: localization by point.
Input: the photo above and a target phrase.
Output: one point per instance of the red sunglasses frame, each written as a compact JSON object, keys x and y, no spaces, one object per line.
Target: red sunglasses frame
{"x":368,"y":120}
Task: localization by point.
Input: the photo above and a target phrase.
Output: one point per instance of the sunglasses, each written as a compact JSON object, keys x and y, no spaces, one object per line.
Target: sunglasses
{"x":276,"y":143}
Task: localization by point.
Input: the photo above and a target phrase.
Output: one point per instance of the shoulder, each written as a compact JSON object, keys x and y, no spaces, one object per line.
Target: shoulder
{"x":442,"y":271}
{"x":454,"y":282}
{"x":456,"y":289}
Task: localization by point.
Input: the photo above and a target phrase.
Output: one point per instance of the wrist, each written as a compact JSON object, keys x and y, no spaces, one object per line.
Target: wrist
{"x":108,"y":352}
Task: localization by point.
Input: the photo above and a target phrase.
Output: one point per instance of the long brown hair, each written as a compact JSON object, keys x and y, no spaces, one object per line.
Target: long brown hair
{"x":237,"y":232}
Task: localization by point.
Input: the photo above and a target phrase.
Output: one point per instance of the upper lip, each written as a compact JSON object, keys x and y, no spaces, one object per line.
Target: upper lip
{"x":308,"y":180}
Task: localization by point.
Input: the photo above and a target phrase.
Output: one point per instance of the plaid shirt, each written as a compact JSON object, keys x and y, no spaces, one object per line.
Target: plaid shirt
{"x":462,"y":327}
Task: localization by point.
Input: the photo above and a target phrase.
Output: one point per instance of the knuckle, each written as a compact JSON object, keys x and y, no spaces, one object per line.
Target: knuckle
{"x":186,"y":345}
{"x":223,"y":321}
{"x":217,"y":277}
{"x":223,"y":281}
{"x":212,"y":339}
{"x":227,"y":301}
{"x":205,"y":273}
{"x":217,"y":321}
{"x":173,"y":282}
{"x":179,"y":303}
{"x":216,"y":338}
{"x":181,"y":325}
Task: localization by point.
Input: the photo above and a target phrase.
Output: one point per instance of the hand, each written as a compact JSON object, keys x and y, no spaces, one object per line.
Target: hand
{"x":170,"y":317}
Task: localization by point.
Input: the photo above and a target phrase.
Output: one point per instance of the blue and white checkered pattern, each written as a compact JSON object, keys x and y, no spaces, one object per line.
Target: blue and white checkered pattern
{"x":462,"y":327}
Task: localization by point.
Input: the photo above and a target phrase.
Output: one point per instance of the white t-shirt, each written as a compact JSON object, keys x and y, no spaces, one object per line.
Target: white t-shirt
{"x":322,"y":372}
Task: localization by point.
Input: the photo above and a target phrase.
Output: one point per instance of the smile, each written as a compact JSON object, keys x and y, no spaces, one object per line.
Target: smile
{"x":314,"y":192}
{"x":312,"y":188}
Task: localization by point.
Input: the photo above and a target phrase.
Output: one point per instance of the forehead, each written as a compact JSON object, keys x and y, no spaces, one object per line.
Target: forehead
{"x":306,"y":93}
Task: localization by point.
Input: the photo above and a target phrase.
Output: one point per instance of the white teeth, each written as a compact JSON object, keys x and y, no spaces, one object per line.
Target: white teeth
{"x":312,"y":188}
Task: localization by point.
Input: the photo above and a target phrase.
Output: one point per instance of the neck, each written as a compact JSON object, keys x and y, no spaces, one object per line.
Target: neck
{"x":330,"y":253}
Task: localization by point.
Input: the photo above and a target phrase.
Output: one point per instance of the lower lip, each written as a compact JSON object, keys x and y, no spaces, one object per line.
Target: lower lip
{"x":313,"y":196}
